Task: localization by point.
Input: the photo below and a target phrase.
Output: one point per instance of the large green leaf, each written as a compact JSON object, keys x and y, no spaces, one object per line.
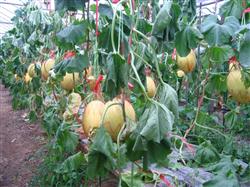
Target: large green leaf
{"x":216,"y":33}
{"x":217,"y":82}
{"x":244,"y":56}
{"x":168,"y":97}
{"x":162,"y":20}
{"x":72,"y":35}
{"x":226,"y":173}
{"x":117,"y":74}
{"x":206,"y":153}
{"x":154,"y":124}
{"x":107,"y":11}
{"x":150,"y":135}
{"x":219,"y":55}
{"x":72,"y":163}
{"x":246,"y":77}
{"x":231,"y":8}
{"x":187,"y":39}
{"x":75,"y":64}
{"x":69,"y":5}
{"x":101,"y":152}
{"x":228,"y":180}
{"x":65,"y":139}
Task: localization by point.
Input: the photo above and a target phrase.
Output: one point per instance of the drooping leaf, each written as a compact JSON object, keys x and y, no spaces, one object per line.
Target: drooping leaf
{"x":244,"y":56}
{"x":72,"y":35}
{"x":231,"y":8}
{"x":101,"y":154}
{"x":65,"y":139}
{"x":162,"y":20}
{"x":154,"y":124}
{"x":216,"y":33}
{"x":159,"y":151}
{"x":107,"y":11}
{"x":187,"y":39}
{"x":168,"y":97}
{"x":69,"y":5}
{"x":74,"y":64}
{"x":72,"y":163}
{"x":117,"y":74}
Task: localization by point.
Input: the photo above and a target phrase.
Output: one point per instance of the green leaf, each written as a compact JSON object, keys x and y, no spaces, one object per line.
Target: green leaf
{"x":154,"y":124}
{"x":159,"y":151}
{"x":126,"y":180}
{"x":216,"y":33}
{"x":69,"y":5}
{"x":244,"y":55}
{"x":101,"y":153}
{"x":219,"y":55}
{"x":225,"y":165}
{"x":225,"y":172}
{"x":65,"y":139}
{"x":217,"y":82}
{"x":231,"y":8}
{"x":74,"y":64}
{"x":107,"y":11}
{"x":72,"y":163}
{"x":32,"y":116}
{"x":117,"y":74}
{"x":144,"y":26}
{"x":168,"y":97}
{"x":150,"y":135}
{"x":231,"y":118}
{"x":72,"y":35}
{"x":162,"y":20}
{"x":187,"y":39}
{"x":206,"y":153}
{"x":246,"y":77}
{"x":229,"y":180}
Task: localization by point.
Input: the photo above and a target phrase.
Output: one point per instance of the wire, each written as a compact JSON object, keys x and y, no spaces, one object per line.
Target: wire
{"x":7,"y":9}
{"x":6,"y":15}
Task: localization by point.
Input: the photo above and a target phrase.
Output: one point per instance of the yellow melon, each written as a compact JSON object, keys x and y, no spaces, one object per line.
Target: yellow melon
{"x":236,"y":87}
{"x":113,"y":120}
{"x":69,"y":81}
{"x":92,"y":116}
{"x":187,"y":63}
{"x":46,"y":67}
{"x":151,"y":88}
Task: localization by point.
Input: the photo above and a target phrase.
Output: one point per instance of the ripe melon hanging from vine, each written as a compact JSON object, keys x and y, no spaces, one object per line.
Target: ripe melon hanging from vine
{"x":92,"y":116}
{"x":187,"y":63}
{"x":31,"y":70}
{"x":151,"y":88}
{"x":113,"y":119}
{"x":235,"y":84}
{"x":27,"y":78}
{"x":70,"y":80}
{"x":46,"y":67}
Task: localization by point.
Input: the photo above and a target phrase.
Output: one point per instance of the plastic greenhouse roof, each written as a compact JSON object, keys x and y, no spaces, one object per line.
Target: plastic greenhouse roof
{"x":8,"y":7}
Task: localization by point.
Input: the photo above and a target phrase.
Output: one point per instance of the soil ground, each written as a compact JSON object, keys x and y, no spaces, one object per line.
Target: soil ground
{"x":19,"y":141}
